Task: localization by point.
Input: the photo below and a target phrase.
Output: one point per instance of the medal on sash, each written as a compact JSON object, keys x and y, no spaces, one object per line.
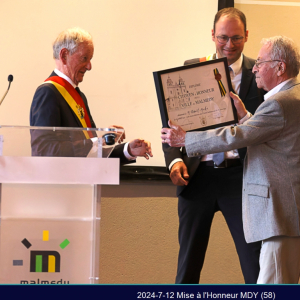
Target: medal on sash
{"x":81,"y":112}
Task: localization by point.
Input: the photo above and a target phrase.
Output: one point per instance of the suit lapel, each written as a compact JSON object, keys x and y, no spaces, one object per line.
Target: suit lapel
{"x":290,"y":84}
{"x":247,"y":77}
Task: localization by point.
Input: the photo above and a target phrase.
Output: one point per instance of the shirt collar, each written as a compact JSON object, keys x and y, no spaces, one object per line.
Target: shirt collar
{"x":276,"y":89}
{"x":60,"y":74}
{"x":237,"y":65}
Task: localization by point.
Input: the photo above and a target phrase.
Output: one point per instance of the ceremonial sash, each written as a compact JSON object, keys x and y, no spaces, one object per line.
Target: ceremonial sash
{"x":73,"y":99}
{"x":209,"y":57}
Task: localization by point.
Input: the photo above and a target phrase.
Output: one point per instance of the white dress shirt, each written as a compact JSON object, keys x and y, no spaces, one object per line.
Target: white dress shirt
{"x":276,"y":89}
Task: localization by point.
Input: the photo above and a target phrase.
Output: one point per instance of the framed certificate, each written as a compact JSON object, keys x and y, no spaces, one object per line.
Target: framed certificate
{"x":196,"y":96}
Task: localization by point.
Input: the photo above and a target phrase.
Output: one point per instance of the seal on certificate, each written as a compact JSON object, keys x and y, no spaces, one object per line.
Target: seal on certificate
{"x":218,"y":77}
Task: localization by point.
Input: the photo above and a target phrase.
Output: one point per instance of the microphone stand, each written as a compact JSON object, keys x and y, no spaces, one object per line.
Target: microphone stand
{"x":10,"y":79}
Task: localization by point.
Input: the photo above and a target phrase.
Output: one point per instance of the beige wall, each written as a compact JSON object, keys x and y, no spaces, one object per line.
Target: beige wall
{"x":132,"y":39}
{"x":276,"y":18}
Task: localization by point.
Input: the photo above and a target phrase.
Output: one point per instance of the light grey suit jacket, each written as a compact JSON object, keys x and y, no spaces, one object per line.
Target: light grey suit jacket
{"x":271,"y":184}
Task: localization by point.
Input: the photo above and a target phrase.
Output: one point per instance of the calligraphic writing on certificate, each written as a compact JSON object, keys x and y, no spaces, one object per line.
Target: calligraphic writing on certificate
{"x":198,"y":97}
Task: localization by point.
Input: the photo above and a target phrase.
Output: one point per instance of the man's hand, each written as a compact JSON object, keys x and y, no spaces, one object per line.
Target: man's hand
{"x":140,"y":147}
{"x":239,"y":105}
{"x":174,"y":136}
{"x":179,"y":174}
{"x":120,"y":134}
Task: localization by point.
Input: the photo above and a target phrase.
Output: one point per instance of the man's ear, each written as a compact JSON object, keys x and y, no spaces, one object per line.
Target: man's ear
{"x":63,"y":55}
{"x":246,"y":36}
{"x":213,"y":35}
{"x":281,"y":68}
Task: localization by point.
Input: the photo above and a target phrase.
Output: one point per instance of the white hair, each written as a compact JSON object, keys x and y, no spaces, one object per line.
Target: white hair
{"x":70,"y":39}
{"x":284,"y":49}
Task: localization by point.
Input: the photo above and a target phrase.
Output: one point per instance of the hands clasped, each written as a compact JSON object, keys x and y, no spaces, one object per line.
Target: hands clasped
{"x":174,"y":136}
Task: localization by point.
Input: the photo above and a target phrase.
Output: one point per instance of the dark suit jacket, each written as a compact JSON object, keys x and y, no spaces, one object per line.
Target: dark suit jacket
{"x":252,"y":98}
{"x":50,"y":109}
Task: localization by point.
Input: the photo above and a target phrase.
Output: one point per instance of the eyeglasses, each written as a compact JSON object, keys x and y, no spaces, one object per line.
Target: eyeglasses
{"x":223,"y":39}
{"x":257,"y":62}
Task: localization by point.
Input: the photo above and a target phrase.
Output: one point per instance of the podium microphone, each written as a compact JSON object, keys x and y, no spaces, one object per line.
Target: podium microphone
{"x":10,"y":79}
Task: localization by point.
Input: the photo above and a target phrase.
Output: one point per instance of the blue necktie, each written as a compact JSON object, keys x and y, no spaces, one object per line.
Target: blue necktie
{"x":218,"y":158}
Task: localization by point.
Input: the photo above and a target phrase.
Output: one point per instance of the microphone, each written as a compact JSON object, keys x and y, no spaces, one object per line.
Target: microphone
{"x":10,"y":79}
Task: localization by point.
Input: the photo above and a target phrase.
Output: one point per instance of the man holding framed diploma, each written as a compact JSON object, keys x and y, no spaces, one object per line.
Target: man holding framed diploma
{"x":197,"y":98}
{"x":271,"y":181}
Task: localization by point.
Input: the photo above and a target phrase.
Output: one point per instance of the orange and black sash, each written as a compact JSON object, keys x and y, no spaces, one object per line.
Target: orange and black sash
{"x":209,"y":57}
{"x":74,"y":100}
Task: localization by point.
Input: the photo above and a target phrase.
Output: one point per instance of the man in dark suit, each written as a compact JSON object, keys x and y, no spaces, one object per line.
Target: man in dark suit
{"x":58,"y":102}
{"x":205,"y":187}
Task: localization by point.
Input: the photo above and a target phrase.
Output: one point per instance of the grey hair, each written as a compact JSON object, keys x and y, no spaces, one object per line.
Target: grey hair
{"x":70,"y":39}
{"x":285,"y":49}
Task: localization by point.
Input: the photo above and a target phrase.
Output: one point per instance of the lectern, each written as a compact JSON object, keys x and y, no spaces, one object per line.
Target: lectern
{"x":50,"y":197}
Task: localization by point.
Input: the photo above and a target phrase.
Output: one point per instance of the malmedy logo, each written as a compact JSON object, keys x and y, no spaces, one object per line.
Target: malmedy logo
{"x":43,"y":260}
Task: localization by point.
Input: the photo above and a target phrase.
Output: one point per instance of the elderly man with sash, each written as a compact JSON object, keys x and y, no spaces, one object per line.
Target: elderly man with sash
{"x":58,"y":102}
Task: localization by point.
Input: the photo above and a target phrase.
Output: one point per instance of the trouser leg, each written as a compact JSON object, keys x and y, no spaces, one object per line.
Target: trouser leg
{"x":229,"y":200}
{"x":280,"y":260}
{"x":194,"y":229}
{"x":196,"y":208}
{"x":248,"y":253}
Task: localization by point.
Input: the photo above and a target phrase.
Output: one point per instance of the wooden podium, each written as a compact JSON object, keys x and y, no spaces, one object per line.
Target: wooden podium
{"x":50,"y":207}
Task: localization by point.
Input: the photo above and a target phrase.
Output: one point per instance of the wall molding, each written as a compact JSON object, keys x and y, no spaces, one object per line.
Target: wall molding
{"x":274,"y":3}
